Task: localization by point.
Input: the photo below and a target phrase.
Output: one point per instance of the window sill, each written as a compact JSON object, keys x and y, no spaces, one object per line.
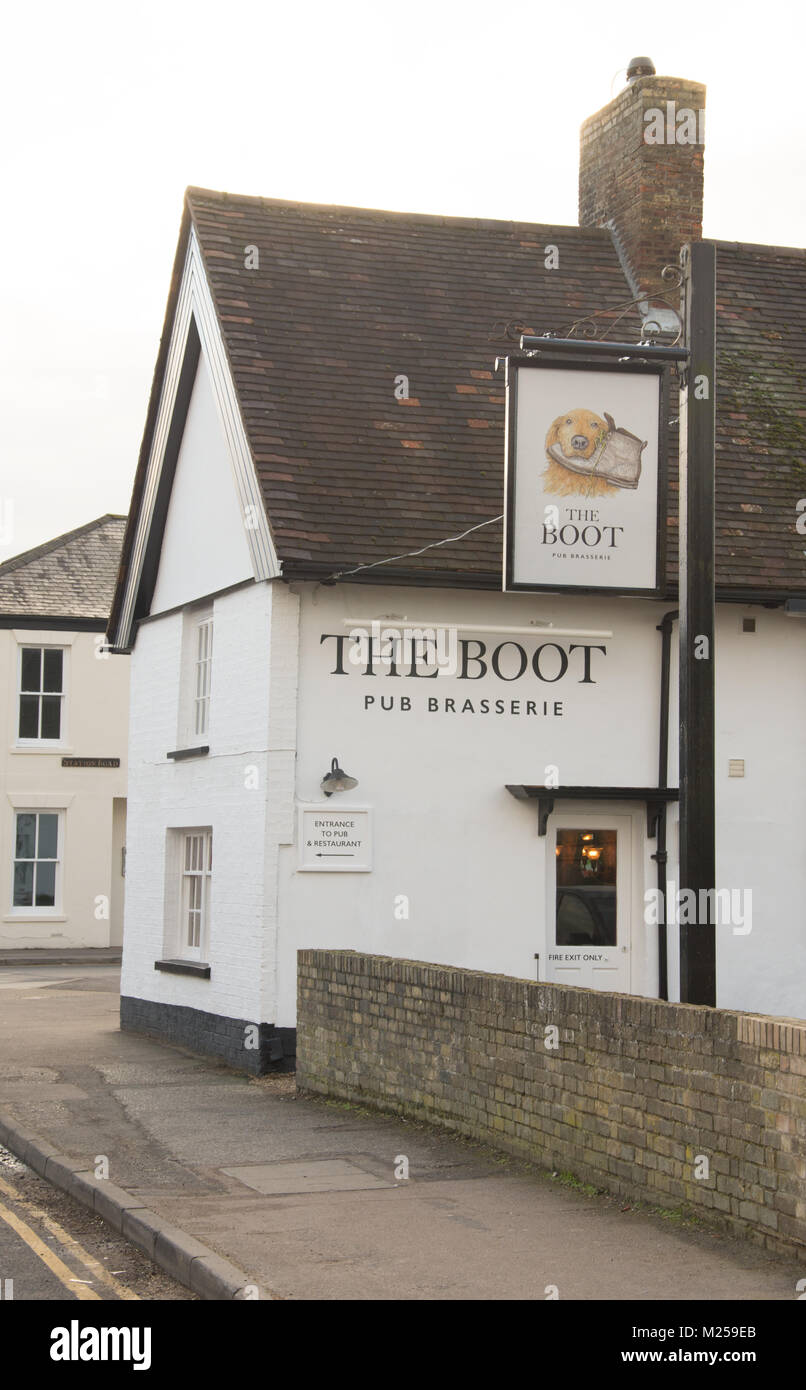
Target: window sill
{"x":184,"y":967}
{"x":181,"y":754}
{"x":41,"y":746}
{"x":24,"y":916}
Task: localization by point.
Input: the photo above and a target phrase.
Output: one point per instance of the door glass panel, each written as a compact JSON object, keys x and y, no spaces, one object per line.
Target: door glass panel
{"x":586,"y":887}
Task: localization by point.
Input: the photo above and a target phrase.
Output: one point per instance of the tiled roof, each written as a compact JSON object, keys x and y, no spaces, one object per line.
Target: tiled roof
{"x":345,"y":301}
{"x":761,"y":415}
{"x":72,"y":576}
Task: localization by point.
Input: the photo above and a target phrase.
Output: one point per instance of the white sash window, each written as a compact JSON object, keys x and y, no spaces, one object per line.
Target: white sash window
{"x":196,"y":874}
{"x":204,"y":667}
{"x":40,"y":694}
{"x":37,"y":862}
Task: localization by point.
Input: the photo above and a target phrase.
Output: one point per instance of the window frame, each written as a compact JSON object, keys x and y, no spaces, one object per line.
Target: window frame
{"x":39,"y":742}
{"x":34,"y":911}
{"x":202,"y":674}
{"x":181,"y":876}
{"x":195,"y":676}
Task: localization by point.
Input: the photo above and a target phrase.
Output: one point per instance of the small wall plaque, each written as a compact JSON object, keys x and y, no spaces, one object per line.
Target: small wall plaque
{"x":90,"y":762}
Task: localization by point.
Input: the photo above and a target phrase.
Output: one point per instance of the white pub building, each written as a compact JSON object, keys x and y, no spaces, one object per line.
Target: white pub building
{"x":350,"y":727}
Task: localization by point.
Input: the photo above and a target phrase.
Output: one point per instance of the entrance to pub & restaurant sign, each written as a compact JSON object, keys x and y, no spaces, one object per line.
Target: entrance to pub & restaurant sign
{"x":589,"y":909}
{"x":585,"y":475}
{"x":335,"y":840}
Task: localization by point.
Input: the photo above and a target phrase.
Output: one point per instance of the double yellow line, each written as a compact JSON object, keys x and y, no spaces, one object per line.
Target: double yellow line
{"x":71,"y":1282}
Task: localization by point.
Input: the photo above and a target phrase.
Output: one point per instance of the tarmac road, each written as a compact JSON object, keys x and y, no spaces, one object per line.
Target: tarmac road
{"x":53,"y":1249}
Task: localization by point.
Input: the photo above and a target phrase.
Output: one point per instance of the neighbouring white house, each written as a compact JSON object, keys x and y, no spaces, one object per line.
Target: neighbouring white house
{"x":322,"y":473}
{"x":64,"y":711}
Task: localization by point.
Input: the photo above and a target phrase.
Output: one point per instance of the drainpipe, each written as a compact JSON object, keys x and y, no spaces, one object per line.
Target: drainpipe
{"x":660,"y":856}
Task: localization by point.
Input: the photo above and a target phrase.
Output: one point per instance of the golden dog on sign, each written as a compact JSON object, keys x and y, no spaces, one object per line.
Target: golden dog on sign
{"x":589,"y":454}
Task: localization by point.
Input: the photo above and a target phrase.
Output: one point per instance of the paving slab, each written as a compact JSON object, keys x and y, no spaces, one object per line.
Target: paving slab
{"x":311,"y":1175}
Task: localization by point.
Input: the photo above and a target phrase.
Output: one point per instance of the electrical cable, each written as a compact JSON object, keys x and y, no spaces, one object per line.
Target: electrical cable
{"x":342,"y":574}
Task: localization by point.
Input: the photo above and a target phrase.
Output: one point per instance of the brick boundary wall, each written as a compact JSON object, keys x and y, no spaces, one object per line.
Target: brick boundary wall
{"x":635,"y":1090}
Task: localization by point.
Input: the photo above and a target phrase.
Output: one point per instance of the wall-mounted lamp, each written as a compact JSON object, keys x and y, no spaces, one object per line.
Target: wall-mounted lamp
{"x":337,"y":780}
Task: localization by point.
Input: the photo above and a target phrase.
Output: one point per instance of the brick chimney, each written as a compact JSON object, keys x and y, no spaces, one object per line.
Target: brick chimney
{"x":641,"y":170}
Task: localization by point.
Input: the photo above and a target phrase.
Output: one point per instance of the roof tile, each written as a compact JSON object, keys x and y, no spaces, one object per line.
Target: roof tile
{"x":72,"y":576}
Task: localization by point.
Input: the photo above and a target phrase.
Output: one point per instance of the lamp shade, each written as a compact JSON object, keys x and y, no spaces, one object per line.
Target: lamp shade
{"x":337,"y":780}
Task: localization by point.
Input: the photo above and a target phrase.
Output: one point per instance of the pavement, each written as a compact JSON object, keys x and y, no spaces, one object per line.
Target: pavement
{"x":266,"y":1193}
{"x":50,"y":955}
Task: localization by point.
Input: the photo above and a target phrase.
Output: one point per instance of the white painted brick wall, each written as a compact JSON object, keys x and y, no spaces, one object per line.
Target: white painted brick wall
{"x":252,"y":723}
{"x":281,"y":775}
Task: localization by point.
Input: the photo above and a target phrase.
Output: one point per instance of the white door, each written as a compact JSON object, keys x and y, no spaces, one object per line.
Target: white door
{"x":589,"y":908}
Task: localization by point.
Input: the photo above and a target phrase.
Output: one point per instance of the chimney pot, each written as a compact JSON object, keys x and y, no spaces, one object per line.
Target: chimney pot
{"x":640,"y":67}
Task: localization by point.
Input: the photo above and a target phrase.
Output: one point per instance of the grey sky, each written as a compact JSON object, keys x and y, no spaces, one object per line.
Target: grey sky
{"x":450,"y":106}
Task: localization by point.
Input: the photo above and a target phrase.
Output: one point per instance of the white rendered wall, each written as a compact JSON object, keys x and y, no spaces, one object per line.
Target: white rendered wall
{"x":204,"y":548}
{"x":467,"y":855}
{"x":761,"y":684}
{"x":760,"y":679}
{"x":447,"y":833}
{"x":94,"y":725}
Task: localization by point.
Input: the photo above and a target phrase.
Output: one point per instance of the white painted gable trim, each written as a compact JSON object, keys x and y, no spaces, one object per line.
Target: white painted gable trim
{"x":195,"y":303}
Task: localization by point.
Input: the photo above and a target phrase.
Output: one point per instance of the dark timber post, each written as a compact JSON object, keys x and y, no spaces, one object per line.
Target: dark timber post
{"x":697,"y":785}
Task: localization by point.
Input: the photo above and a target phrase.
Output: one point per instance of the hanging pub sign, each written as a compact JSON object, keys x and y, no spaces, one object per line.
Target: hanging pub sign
{"x":585,"y":476}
